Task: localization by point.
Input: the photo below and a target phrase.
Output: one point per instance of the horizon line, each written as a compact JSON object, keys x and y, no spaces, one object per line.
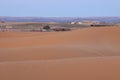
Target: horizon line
{"x":61,"y":17}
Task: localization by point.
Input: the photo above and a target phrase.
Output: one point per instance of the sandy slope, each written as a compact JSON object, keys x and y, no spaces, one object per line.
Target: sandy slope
{"x":105,"y":68}
{"x":85,"y":54}
{"x":88,"y":36}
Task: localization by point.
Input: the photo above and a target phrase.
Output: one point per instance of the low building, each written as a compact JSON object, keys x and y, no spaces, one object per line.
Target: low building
{"x":73,"y":23}
{"x":87,"y":23}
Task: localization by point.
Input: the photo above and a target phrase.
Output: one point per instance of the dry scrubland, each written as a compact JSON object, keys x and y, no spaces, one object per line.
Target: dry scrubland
{"x":83,"y":54}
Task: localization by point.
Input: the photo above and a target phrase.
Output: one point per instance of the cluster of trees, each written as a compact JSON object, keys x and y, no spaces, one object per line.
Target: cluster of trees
{"x":47,"y":27}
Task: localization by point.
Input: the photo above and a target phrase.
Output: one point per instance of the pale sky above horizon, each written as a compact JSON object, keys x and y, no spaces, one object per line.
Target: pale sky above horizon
{"x":59,"y":8}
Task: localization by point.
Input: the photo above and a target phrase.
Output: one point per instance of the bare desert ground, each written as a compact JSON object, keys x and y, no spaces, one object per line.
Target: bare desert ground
{"x":83,"y":54}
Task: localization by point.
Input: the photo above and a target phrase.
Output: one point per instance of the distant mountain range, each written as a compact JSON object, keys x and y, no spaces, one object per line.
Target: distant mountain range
{"x":58,"y":19}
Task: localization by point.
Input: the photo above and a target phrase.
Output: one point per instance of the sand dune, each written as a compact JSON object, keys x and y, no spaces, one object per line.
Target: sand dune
{"x":84,"y":54}
{"x":105,"y":68}
{"x":87,"y":36}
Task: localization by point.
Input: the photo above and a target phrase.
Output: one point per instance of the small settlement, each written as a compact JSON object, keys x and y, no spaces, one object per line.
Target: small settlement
{"x":92,"y":23}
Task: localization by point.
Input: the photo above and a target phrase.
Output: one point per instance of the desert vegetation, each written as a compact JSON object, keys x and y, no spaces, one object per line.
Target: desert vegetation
{"x":46,"y":26}
{"x":37,"y":27}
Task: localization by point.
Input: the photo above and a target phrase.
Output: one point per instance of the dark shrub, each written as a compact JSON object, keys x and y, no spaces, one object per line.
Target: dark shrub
{"x":47,"y":27}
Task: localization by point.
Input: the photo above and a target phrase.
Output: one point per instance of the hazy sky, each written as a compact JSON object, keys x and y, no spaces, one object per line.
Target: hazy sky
{"x":60,"y":8}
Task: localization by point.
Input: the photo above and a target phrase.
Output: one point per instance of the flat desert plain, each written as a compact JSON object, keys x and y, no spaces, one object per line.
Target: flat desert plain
{"x":83,"y":54}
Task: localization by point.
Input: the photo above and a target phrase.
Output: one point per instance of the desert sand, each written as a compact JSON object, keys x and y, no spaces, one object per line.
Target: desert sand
{"x":83,"y":54}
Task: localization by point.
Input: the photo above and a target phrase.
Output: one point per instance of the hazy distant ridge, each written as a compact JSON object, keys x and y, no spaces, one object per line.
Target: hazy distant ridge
{"x":58,"y":19}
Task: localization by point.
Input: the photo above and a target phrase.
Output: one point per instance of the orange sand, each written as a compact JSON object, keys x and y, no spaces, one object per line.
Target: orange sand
{"x":84,"y":54}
